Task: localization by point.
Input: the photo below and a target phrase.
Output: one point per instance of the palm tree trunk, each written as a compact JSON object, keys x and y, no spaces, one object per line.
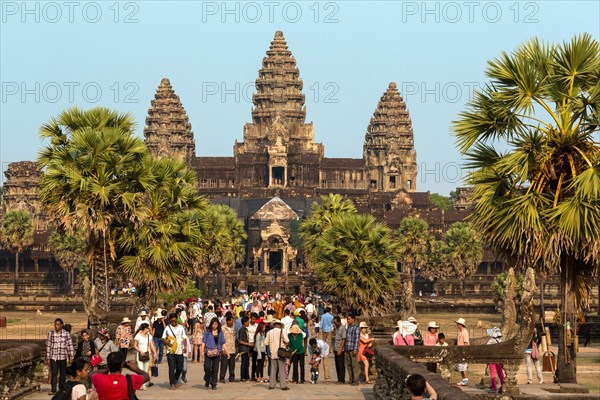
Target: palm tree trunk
{"x":17,"y":272}
{"x":542,"y":307}
{"x":566,"y":363}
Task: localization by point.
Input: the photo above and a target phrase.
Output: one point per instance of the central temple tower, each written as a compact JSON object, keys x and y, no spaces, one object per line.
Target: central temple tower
{"x":278,"y":148}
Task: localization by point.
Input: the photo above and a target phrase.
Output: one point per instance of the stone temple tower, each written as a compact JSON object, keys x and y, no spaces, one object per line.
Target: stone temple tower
{"x":278,"y":150}
{"x":168,"y":131}
{"x":389,"y":151}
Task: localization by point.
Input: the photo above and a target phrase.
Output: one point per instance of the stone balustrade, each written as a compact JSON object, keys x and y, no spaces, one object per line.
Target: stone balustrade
{"x":18,"y":365}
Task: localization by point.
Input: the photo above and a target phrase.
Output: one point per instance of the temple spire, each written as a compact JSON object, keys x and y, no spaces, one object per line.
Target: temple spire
{"x":278,"y":87}
{"x":168,"y":132}
{"x":389,"y":150}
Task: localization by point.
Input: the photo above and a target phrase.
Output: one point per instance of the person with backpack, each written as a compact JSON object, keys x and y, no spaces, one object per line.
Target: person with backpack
{"x":75,"y":388}
{"x":111,"y":384}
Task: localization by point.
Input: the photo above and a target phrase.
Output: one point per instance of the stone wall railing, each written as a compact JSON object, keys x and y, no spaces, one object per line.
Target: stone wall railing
{"x":18,"y":365}
{"x":393,"y":369}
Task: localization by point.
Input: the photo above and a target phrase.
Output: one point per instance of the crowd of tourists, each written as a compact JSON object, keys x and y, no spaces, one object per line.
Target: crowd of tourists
{"x":271,"y":338}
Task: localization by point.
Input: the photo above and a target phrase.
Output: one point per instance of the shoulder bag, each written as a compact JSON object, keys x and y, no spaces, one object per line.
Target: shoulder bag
{"x":143,"y":357}
{"x":283,"y":352}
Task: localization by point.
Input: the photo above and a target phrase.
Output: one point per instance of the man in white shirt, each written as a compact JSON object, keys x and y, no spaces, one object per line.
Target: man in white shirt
{"x":276,"y":339}
{"x":174,"y":333}
{"x":209,"y":315}
{"x":251,"y":332}
{"x":287,"y":322}
{"x":310,"y":309}
{"x":142,"y":319}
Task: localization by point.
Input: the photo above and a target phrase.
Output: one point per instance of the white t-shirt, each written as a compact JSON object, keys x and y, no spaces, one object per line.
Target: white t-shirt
{"x":310,"y":308}
{"x":140,"y":321}
{"x":179,"y":333}
{"x":143,"y":342}
{"x":78,"y":391}
{"x":252,"y":332}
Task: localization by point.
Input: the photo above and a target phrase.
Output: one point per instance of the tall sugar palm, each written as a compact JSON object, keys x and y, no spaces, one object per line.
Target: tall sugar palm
{"x":94,"y":172}
{"x":321,"y":217}
{"x":356,"y":261}
{"x":530,"y":138}
{"x":17,"y":235}
{"x":161,"y":244}
{"x":69,"y":251}
{"x":415,"y":243}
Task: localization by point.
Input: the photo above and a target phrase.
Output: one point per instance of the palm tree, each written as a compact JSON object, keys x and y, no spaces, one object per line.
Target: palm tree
{"x":94,"y":173}
{"x":456,"y":256}
{"x":69,"y":251}
{"x":356,"y":261}
{"x":321,"y":217}
{"x":225,"y":237}
{"x":160,"y":245}
{"x":537,"y":199}
{"x":415,"y":242}
{"x":17,"y":235}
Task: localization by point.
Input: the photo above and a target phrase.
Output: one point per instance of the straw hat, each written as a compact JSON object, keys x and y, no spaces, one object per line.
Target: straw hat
{"x":432,"y":324}
{"x":412,"y":319}
{"x":126,"y":320}
{"x":295,"y":329}
{"x":363,"y":325}
{"x":276,"y":322}
{"x":461,"y":321}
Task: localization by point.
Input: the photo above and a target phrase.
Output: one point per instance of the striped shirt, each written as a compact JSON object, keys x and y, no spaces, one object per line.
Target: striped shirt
{"x":59,"y":345}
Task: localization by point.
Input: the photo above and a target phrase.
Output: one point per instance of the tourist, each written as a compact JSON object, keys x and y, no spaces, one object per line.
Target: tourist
{"x":417,"y":386}
{"x":351,"y":349}
{"x":532,"y":353}
{"x":212,"y":346}
{"x":431,"y":336}
{"x":123,"y":336}
{"x":59,"y":351}
{"x":287,"y":321}
{"x":260,"y":350}
{"x":174,"y":340}
{"x":442,"y":340}
{"x":365,"y":342}
{"x":142,"y":319}
{"x":244,"y":348}
{"x":104,"y":346}
{"x":405,"y":334}
{"x":194,"y":314}
{"x":251,"y":332}
{"x":209,"y":315}
{"x":321,"y":349}
{"x":275,"y":340}
{"x":310,"y":308}
{"x":495,"y":335}
{"x":145,"y":349}
{"x":278,"y":307}
{"x":79,"y":373}
{"x":296,"y":346}
{"x":463,"y":340}
{"x":197,"y":339}
{"x":339,"y":341}
{"x":111,"y":384}
{"x":417,"y":334}
{"x":187,"y":354}
{"x":85,"y":348}
{"x":158,"y":328}
{"x":229,"y":360}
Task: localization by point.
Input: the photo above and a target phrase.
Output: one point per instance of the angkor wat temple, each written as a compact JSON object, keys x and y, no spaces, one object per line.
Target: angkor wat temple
{"x":273,"y":175}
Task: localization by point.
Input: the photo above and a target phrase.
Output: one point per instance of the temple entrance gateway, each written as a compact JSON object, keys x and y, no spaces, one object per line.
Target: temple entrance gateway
{"x":275,"y":260}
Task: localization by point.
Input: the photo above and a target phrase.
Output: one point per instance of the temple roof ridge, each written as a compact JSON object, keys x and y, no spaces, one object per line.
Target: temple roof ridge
{"x":391,"y":118}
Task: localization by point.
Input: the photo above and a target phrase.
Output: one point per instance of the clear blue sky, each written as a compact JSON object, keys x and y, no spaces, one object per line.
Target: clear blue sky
{"x":58,"y":54}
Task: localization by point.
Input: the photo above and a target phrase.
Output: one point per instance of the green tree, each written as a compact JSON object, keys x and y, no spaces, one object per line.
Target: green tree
{"x":320,"y":218}
{"x":94,"y":174}
{"x":225,"y":246}
{"x":414,"y":242}
{"x":356,"y":261}
{"x":17,"y":235}
{"x":538,"y":199}
{"x":158,"y":249}
{"x":69,"y":251}
{"x":442,"y":202}
{"x":498,"y":287}
{"x":457,"y":256}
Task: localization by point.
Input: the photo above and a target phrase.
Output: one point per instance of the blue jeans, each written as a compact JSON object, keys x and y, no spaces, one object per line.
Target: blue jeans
{"x":160,"y":348}
{"x":175,"y":362}
{"x":184,"y":370}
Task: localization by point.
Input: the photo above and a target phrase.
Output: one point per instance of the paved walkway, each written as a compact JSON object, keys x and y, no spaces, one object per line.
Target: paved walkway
{"x":243,"y":391}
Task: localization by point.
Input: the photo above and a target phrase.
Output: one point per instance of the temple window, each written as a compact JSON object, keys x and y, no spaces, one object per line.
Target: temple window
{"x":373,"y":184}
{"x":277,"y":175}
{"x":409,"y":184}
{"x":392,"y":182}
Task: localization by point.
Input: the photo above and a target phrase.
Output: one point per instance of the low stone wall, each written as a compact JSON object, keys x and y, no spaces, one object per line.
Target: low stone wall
{"x":393,"y":369}
{"x":18,"y":365}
